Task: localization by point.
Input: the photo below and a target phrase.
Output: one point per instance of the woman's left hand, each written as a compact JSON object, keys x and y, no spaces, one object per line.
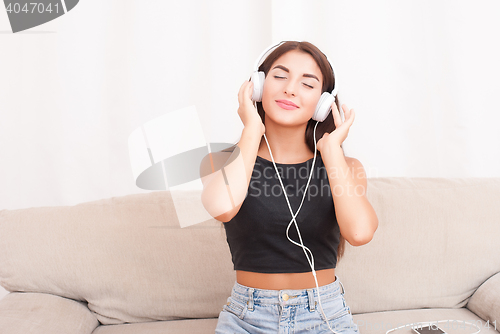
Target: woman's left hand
{"x":337,"y":136}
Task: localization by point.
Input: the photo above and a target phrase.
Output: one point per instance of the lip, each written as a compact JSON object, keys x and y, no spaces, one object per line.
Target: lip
{"x":285,"y":104}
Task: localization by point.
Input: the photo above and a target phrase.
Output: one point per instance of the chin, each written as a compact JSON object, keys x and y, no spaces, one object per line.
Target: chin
{"x":286,"y":121}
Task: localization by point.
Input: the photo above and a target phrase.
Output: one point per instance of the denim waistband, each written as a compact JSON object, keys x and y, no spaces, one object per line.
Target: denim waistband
{"x":249,"y":295}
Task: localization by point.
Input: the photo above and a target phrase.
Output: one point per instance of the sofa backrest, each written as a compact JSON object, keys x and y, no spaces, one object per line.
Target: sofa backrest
{"x":126,"y":256}
{"x":437,"y":241}
{"x":129,"y":259}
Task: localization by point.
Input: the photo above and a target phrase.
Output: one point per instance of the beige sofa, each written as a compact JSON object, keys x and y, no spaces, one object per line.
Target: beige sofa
{"x":123,"y":265}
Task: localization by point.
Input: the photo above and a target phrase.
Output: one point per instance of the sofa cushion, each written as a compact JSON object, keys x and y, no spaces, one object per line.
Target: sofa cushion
{"x":461,"y":321}
{"x":485,"y":302}
{"x":126,"y":256}
{"x":368,"y":323}
{"x":188,"y":326}
{"x":41,"y":313}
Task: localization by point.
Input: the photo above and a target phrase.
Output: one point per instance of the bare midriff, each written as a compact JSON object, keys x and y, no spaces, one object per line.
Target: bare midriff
{"x":292,"y":281}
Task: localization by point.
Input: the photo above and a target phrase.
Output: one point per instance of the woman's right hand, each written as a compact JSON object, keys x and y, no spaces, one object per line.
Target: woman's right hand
{"x":247,"y":112}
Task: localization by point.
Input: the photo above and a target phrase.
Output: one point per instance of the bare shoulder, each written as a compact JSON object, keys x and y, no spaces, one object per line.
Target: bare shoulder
{"x":214,"y":161}
{"x":353,"y":162}
{"x":357,"y":169}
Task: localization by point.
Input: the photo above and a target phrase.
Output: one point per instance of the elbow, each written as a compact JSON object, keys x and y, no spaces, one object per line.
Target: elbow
{"x":224,"y":218}
{"x":218,"y":209}
{"x":360,"y":239}
{"x":210,"y":207}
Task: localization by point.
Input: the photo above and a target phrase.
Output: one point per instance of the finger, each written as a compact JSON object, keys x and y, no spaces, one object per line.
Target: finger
{"x":249,"y":91}
{"x":241,"y":93}
{"x":336,"y":115}
{"x":351,"y":118}
{"x":346,"y":111}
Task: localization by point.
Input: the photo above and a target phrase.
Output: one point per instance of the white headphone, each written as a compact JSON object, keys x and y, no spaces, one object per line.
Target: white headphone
{"x":325,"y":101}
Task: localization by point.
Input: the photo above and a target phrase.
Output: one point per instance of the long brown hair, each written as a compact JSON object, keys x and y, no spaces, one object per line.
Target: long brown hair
{"x":328,"y":125}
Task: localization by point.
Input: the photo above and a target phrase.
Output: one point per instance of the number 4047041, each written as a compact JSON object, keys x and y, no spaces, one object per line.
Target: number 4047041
{"x":32,"y":7}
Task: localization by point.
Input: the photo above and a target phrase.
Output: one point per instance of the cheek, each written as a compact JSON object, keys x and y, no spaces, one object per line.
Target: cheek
{"x":269,"y":90}
{"x":265,"y":93}
{"x":314,"y":99}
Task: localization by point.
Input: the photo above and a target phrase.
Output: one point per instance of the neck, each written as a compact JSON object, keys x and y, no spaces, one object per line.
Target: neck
{"x":288,"y":144}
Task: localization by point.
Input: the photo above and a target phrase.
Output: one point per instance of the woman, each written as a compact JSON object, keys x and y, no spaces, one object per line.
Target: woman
{"x":276,"y":288}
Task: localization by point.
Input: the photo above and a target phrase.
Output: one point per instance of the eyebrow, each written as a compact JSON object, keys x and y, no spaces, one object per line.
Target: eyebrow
{"x":307,"y":75}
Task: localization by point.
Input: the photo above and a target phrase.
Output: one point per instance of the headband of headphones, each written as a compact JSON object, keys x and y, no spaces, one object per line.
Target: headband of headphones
{"x":272,"y":47}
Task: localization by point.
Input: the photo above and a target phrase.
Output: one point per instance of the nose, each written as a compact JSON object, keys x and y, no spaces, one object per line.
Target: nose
{"x":290,"y":88}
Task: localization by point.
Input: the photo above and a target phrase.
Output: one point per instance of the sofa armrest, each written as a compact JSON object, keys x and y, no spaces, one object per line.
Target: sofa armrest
{"x":485,"y":302}
{"x":41,"y":313}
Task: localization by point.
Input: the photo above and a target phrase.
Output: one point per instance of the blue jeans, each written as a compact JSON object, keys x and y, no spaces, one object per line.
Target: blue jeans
{"x":259,"y":311}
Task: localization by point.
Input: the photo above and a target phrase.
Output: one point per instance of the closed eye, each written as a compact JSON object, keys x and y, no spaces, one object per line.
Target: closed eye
{"x":278,"y":77}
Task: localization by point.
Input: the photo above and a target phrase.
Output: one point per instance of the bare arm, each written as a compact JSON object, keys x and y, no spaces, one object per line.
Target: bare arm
{"x":225,"y":188}
{"x":356,"y":217}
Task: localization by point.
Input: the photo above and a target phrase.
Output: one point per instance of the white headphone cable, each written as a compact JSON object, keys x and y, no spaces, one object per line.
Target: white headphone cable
{"x":311,"y":262}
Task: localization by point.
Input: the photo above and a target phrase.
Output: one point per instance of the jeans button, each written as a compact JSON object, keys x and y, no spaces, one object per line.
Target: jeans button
{"x":285,"y":297}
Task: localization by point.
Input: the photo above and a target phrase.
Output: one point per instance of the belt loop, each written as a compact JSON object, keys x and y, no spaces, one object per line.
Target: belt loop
{"x":310,"y":294}
{"x":343,"y":290}
{"x":250,"y":299}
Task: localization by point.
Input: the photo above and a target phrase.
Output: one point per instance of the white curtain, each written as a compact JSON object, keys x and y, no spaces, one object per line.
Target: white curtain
{"x":422,"y":76}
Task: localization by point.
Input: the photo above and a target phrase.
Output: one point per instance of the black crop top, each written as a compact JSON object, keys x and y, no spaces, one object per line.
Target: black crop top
{"x":257,"y":233}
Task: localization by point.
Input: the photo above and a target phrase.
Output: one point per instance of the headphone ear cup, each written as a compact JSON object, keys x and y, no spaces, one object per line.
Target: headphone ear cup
{"x":258,"y":85}
{"x":323,"y":107}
